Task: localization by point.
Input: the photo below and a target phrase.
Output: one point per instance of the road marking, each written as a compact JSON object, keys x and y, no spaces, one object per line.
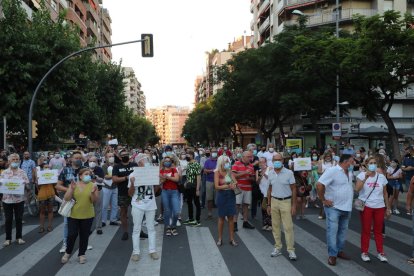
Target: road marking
{"x":261,"y":248}
{"x":99,"y":243}
{"x":21,"y":263}
{"x":399,"y":220}
{"x":146,"y":265}
{"x":395,"y":258}
{"x":397,"y":235}
{"x":207,"y":259}
{"x":26,"y":229}
{"x":318,"y":249}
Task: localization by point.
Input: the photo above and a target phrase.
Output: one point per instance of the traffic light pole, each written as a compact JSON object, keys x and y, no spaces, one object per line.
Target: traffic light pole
{"x":30,"y":137}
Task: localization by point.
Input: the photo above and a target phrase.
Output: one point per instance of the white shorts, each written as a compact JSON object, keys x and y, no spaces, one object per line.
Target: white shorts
{"x":244,"y":197}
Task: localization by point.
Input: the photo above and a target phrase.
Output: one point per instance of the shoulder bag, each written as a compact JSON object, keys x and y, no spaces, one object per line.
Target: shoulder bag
{"x":359,"y":204}
{"x":65,"y":208}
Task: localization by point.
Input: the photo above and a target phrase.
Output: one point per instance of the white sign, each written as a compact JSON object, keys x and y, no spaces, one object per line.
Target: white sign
{"x":11,"y":186}
{"x":113,"y":142}
{"x":145,"y":176}
{"x":336,"y":130}
{"x":302,"y":164}
{"x":47,"y":177}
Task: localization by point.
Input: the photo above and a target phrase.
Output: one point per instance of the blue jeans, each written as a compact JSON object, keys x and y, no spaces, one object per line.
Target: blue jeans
{"x":171,"y":204}
{"x":109,"y":196}
{"x":336,"y":226}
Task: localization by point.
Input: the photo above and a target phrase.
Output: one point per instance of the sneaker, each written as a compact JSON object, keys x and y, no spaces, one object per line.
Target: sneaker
{"x":196,"y":224}
{"x":7,"y":243}
{"x":124,"y":236}
{"x":114,"y":223}
{"x":103,"y":224}
{"x":188,"y":221}
{"x":65,"y":258}
{"x":269,"y":228}
{"x":168,"y":232}
{"x":292,"y":255}
{"x":160,"y":218}
{"x":264,"y":228}
{"x":90,"y":247}
{"x":320,"y":217}
{"x":382,"y":258}
{"x":174,"y":232}
{"x":63,"y":248}
{"x":82,"y":259}
{"x":155,"y":223}
{"x":154,"y":256}
{"x":135,"y":258}
{"x":178,"y":223}
{"x":247,"y":225}
{"x":365,"y":257}
{"x":20,"y":241}
{"x":276,"y":252}
{"x":143,"y":235}
{"x":395,"y":211}
{"x":99,"y":232}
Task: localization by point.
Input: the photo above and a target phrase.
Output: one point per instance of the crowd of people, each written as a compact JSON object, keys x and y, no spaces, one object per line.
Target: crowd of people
{"x":237,"y":182}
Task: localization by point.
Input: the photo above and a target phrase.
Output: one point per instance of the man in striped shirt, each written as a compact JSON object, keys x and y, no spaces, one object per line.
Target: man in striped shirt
{"x":244,"y":172}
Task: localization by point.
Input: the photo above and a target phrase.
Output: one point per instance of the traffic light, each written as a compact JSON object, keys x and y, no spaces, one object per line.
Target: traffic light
{"x":147,"y":45}
{"x":34,"y":129}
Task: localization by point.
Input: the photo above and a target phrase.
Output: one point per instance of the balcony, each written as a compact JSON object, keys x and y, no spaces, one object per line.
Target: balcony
{"x":252,"y":25}
{"x":263,"y":6}
{"x":289,"y":3}
{"x":252,"y":4}
{"x":329,"y":17}
{"x":265,"y":25}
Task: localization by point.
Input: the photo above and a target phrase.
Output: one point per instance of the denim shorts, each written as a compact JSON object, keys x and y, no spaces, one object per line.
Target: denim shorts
{"x":395,"y":183}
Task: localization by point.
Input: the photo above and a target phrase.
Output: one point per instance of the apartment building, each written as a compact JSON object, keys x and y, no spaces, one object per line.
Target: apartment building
{"x":169,"y":122}
{"x":134,"y":96}
{"x":91,"y":19}
{"x":269,"y":17}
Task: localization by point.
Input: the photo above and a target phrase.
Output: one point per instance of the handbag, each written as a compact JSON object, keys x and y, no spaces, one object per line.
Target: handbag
{"x":359,"y":204}
{"x":65,"y":208}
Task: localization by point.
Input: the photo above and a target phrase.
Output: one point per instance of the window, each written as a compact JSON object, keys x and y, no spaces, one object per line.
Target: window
{"x":388,"y":5}
{"x":53,"y":5}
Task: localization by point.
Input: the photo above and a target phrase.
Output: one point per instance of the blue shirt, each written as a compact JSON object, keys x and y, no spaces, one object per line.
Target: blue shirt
{"x":338,"y":187}
{"x":210,"y":164}
{"x":28,"y":166}
{"x":408,"y":161}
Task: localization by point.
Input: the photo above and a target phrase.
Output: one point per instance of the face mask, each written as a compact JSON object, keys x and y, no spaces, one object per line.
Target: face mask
{"x":393,"y":164}
{"x":87,"y":179}
{"x":314,"y":158}
{"x":271,"y":149}
{"x":214,"y":155}
{"x":227,"y":166}
{"x":168,"y":153}
{"x":14,"y":165}
{"x":167,"y":164}
{"x":351,"y":168}
{"x":277,"y":165}
{"x":154,"y":157}
{"x":77,"y":163}
{"x":372,"y":167}
{"x":111,"y":160}
{"x":225,"y":148}
{"x":208,"y":154}
{"x":183,"y":157}
{"x":57,"y":156}
{"x":92,"y":165}
{"x":255,"y":152}
{"x":239,"y":155}
{"x":125,"y":159}
{"x":358,"y":155}
{"x":188,"y":159}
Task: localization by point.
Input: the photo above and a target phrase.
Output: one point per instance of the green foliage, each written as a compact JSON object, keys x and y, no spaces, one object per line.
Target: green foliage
{"x":79,"y":96}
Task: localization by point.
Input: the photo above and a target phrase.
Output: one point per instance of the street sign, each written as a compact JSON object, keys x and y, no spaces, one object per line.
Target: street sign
{"x":336,"y":130}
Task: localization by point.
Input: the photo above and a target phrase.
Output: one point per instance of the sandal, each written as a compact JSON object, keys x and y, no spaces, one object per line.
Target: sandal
{"x":233,"y":243}
{"x":219,"y":243}
{"x":49,"y":228}
{"x":411,"y":261}
{"x":41,"y":229}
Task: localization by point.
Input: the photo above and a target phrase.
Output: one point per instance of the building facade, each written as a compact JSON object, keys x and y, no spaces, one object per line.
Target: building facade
{"x":134,"y":96}
{"x":169,"y":122}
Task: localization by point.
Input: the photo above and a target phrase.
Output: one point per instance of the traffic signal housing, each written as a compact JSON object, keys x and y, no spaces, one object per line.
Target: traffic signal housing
{"x":147,"y":45}
{"x":34,"y":129}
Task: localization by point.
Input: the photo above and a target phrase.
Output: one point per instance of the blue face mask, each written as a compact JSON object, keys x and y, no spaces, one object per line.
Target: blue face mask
{"x":227,"y":166}
{"x":168,"y":153}
{"x":167,"y":164}
{"x":87,"y":178}
{"x":372,"y":167}
{"x":14,"y":165}
{"x":277,"y":164}
{"x":254,"y":152}
{"x":351,"y":168}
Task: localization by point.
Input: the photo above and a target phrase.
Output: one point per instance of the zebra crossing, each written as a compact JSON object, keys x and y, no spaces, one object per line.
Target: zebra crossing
{"x":194,"y":252}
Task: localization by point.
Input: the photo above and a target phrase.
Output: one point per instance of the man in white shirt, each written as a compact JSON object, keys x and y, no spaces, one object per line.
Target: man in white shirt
{"x":336,"y":193}
{"x":269,"y":155}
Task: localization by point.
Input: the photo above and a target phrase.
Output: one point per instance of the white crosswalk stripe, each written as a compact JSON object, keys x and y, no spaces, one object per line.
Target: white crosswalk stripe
{"x":261,"y":249}
{"x":394,"y":258}
{"x":207,"y":259}
{"x":33,"y":253}
{"x":400,"y":220}
{"x":146,"y":266}
{"x":26,"y":229}
{"x":100,"y":244}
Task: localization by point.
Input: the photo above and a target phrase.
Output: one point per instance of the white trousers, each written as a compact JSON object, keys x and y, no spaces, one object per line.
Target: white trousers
{"x":137,"y":216}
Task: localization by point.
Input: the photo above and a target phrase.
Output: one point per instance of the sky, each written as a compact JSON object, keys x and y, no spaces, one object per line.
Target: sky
{"x":183,"y":31}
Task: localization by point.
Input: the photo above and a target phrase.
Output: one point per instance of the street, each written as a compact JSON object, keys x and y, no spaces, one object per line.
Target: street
{"x":194,"y":251}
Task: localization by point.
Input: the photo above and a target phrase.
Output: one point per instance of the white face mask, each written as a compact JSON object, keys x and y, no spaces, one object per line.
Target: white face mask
{"x":358,"y":155}
{"x":111,"y":160}
{"x":92,"y":165}
{"x":271,"y":149}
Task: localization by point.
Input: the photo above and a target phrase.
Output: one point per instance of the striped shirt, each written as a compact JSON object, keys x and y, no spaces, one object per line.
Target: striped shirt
{"x":338,"y":188}
{"x":244,"y":182}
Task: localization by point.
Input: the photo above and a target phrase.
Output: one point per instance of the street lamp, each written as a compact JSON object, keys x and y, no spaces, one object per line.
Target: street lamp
{"x":359,"y":120}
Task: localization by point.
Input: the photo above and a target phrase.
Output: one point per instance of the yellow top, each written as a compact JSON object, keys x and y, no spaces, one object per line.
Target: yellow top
{"x":83,"y":208}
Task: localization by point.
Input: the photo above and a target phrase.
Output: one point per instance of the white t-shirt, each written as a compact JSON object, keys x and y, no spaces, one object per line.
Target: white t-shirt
{"x":398,"y":173}
{"x":269,"y":157}
{"x":143,"y":198}
{"x":183,"y":167}
{"x":376,"y":199}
